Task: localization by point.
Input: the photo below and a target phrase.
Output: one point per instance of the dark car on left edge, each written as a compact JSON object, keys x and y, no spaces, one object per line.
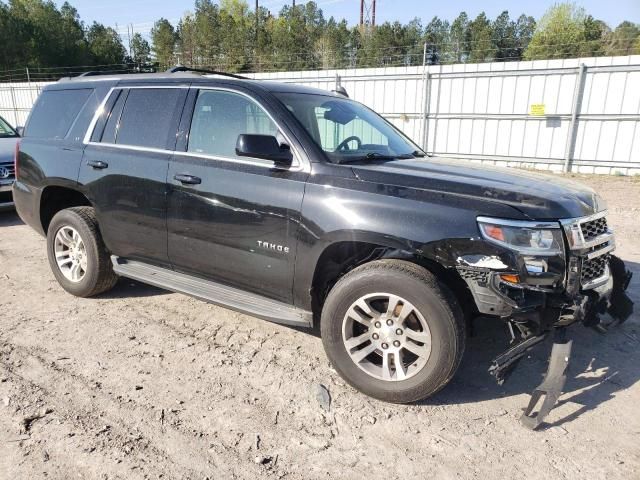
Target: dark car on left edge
{"x":9,"y":137}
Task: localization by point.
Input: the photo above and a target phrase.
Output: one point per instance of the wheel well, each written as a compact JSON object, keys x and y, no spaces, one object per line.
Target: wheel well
{"x":342,"y":257}
{"x":55,"y":199}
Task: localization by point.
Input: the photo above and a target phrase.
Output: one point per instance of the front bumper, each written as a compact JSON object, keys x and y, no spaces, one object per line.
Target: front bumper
{"x":577,"y":286}
{"x":6,"y":198}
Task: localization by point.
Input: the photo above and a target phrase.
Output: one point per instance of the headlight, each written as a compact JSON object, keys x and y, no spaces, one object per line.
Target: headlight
{"x":533,"y":238}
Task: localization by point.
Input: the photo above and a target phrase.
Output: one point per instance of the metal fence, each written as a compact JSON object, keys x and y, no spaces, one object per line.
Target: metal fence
{"x":578,"y":115}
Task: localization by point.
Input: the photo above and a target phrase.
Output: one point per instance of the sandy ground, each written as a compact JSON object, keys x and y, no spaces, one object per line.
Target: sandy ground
{"x":141,"y":383}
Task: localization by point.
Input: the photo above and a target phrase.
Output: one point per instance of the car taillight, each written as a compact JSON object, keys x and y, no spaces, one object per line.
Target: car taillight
{"x":15,"y":160}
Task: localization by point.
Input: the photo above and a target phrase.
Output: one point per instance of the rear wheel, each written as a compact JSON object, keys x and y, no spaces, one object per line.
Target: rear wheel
{"x":393,"y":331}
{"x":77,"y":255}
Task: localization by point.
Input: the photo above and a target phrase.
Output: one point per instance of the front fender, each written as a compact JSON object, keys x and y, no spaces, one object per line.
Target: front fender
{"x":414,"y":222}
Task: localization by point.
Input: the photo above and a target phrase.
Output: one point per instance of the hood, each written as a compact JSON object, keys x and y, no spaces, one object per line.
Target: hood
{"x":7,"y":149}
{"x":538,"y":196}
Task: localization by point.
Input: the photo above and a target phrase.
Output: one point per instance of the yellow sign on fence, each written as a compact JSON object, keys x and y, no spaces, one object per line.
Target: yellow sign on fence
{"x":537,"y":110}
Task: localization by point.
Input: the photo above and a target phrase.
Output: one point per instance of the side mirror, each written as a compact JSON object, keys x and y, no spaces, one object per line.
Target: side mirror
{"x":20,"y":130}
{"x":266,"y":147}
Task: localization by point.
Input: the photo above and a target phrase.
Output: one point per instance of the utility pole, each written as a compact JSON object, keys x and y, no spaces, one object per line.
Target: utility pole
{"x":257,"y":23}
{"x":373,"y":16}
{"x":367,"y":13}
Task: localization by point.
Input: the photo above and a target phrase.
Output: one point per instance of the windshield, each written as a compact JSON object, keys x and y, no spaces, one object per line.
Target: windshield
{"x":348,"y":131}
{"x":5,"y":129}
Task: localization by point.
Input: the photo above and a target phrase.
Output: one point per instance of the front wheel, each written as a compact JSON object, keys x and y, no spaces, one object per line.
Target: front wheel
{"x":393,"y":331}
{"x":77,"y":256}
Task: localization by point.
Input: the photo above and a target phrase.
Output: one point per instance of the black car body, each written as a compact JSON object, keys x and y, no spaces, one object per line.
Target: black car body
{"x":8,"y":139}
{"x":284,"y":232}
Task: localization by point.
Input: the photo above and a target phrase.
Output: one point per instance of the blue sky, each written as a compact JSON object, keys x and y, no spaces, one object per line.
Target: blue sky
{"x":142,"y":13}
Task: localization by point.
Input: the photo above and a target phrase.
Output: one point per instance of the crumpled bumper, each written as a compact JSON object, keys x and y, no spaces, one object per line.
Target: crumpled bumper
{"x":588,"y":308}
{"x":611,"y":298}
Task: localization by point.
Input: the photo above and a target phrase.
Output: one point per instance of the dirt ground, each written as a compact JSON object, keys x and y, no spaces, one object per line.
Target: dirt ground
{"x":142,"y":383}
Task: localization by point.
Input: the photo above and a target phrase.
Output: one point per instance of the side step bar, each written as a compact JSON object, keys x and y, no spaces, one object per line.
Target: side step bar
{"x":222,"y":295}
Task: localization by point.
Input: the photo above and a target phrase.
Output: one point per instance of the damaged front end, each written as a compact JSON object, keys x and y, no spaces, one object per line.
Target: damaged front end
{"x":542,"y":277}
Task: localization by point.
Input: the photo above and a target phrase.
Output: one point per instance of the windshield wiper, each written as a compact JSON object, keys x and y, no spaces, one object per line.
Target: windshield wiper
{"x":376,"y":156}
{"x":418,"y":153}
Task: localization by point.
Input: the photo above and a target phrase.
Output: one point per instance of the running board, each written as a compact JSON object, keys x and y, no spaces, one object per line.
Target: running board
{"x":222,"y":295}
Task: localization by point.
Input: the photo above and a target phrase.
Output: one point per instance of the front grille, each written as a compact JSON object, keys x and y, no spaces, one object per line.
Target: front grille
{"x":594,"y":268}
{"x":7,"y":167}
{"x":593,"y":228}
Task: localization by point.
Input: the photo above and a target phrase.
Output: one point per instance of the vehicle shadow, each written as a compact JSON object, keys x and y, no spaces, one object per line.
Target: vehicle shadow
{"x":600,"y":365}
{"x":127,"y":288}
{"x":9,"y":218}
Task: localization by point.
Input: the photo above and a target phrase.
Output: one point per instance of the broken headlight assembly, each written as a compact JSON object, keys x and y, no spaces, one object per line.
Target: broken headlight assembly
{"x":527,"y":238}
{"x":538,"y":245}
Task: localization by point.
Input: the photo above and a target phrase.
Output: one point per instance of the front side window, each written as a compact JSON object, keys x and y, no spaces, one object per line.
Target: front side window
{"x":5,"y":129}
{"x":147,"y":117}
{"x":347,"y":130}
{"x":220,"y":117}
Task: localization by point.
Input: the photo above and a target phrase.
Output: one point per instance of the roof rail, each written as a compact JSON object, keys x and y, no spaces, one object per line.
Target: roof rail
{"x":91,"y":73}
{"x":182,"y":68}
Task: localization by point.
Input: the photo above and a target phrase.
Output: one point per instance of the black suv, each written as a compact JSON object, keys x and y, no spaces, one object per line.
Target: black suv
{"x":298,"y":205}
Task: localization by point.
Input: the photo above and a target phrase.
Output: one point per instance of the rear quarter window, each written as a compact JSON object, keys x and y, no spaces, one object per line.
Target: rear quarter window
{"x":55,"y":112}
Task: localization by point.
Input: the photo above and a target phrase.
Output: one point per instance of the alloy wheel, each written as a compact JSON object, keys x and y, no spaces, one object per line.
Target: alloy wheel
{"x":71,"y":254}
{"x":386,"y":337}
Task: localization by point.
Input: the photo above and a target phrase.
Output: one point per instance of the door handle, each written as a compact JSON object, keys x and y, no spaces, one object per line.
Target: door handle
{"x":98,"y":164}
{"x":188,"y":179}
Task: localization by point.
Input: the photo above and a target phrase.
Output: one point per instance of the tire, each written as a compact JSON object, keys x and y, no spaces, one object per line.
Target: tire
{"x":434,"y":315}
{"x":96,"y":276}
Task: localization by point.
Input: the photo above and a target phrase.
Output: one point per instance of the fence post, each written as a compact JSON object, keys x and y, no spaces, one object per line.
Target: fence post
{"x":576,"y":108}
{"x":15,"y":105}
{"x":425,"y":112}
{"x":423,"y":126}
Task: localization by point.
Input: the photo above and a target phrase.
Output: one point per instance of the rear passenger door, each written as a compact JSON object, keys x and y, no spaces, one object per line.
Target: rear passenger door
{"x":230,"y":218}
{"x":124,"y":169}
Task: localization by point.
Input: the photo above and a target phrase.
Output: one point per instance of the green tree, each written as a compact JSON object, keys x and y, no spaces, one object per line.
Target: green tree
{"x":621,"y":41}
{"x":234,"y":41}
{"x":140,"y":50}
{"x":10,"y":39}
{"x":504,"y":36}
{"x":459,"y":48}
{"x":163,"y":41}
{"x":334,"y":46}
{"x":186,"y":34}
{"x":481,"y":46}
{"x":292,"y":46}
{"x":207,"y":33}
{"x":105,"y":45}
{"x":48,"y":36}
{"x":594,"y":32}
{"x":560,"y":33}
{"x":437,"y":39}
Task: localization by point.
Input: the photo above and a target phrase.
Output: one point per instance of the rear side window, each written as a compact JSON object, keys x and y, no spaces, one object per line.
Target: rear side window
{"x":55,"y":112}
{"x":147,"y":117}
